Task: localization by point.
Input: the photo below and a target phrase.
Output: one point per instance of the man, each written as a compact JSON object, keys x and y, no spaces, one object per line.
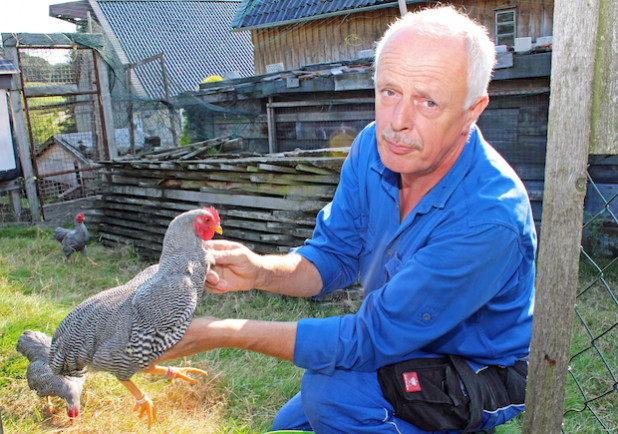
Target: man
{"x":440,"y":230}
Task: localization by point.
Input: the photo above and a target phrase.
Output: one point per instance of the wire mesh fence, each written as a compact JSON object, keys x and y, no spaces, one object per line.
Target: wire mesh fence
{"x":62,"y":112}
{"x":592,"y":388}
{"x":145,"y":115}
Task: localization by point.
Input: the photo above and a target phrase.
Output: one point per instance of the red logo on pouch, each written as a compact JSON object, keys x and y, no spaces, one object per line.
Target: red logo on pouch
{"x":410,"y":380}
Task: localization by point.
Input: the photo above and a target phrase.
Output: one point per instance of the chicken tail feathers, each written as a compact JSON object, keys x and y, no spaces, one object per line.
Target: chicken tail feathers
{"x":60,"y":233}
{"x":34,"y":345}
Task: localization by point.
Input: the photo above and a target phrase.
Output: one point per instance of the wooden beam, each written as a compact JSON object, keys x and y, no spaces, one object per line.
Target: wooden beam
{"x":107,"y":114}
{"x":605,"y":84}
{"x":23,"y":143}
{"x":569,"y":134}
{"x":55,"y":90}
{"x":272,"y":126}
{"x":48,"y":40}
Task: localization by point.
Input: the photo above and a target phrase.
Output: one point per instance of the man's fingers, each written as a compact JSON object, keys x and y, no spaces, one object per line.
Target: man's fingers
{"x":219,"y":288}
{"x":214,"y":283}
{"x":219,"y":244}
{"x":212,"y":278}
{"x":235,"y":256}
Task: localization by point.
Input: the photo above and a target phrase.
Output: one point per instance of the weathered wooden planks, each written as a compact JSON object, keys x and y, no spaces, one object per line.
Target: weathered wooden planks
{"x":268,"y":202}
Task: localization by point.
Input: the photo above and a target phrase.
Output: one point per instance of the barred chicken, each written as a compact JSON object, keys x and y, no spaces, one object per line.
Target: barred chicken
{"x":123,"y":330}
{"x":74,"y":240}
{"x":35,"y":346}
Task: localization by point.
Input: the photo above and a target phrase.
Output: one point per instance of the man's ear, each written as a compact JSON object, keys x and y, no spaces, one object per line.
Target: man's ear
{"x":475,"y":111}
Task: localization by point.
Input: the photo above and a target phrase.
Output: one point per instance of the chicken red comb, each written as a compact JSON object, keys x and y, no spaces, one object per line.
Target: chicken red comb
{"x":80,"y":217}
{"x":215,"y":214}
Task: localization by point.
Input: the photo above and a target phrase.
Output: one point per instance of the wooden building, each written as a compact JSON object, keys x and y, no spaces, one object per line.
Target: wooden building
{"x":289,"y":34}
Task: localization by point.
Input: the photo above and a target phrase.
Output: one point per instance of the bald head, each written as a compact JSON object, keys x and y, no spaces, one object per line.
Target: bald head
{"x":447,"y":22}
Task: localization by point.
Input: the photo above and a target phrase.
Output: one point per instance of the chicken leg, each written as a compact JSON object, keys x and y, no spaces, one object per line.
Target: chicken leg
{"x":144,"y":404}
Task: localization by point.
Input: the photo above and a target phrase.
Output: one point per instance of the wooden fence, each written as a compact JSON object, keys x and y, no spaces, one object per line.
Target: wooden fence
{"x":267,"y":202}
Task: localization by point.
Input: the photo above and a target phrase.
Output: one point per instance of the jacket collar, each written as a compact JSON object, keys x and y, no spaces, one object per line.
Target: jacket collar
{"x":443,"y":190}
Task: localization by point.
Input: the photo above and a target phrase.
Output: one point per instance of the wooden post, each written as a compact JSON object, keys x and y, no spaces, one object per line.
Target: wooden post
{"x":569,"y":138}
{"x":605,"y":86}
{"x":403,"y":9}
{"x":107,"y":115}
{"x":23,"y":143}
{"x":272,"y":126}
{"x":170,"y":107}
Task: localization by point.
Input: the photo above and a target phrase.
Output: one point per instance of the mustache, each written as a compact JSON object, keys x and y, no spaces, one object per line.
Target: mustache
{"x":401,"y":139}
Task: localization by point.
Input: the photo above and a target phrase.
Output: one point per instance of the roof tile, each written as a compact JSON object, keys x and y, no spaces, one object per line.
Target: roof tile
{"x":254,"y":13}
{"x":194,"y":37}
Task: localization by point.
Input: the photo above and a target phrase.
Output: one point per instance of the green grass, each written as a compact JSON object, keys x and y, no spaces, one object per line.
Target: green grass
{"x":38,"y":288}
{"x":244,"y":390}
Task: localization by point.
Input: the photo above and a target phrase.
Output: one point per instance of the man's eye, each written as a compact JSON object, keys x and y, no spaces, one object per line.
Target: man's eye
{"x":429,"y":103}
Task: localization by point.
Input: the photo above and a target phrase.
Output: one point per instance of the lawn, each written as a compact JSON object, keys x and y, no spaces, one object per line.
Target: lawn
{"x":38,"y":288}
{"x":243,"y":390}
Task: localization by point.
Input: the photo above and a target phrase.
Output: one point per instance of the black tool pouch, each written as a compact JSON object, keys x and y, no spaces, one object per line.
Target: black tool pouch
{"x":430,"y":393}
{"x":444,"y":393}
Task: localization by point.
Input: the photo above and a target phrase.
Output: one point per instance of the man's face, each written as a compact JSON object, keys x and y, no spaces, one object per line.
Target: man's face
{"x":421,"y":88}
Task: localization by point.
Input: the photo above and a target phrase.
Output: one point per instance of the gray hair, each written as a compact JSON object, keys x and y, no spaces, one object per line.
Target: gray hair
{"x":445,"y":21}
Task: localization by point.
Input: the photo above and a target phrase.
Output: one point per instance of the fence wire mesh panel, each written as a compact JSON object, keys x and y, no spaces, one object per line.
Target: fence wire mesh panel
{"x":592,"y":386}
{"x":63,"y":115}
{"x":13,"y":206}
{"x":145,"y":117}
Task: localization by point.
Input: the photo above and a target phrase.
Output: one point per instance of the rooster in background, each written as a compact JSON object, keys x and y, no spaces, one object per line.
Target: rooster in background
{"x":123,"y":330}
{"x":74,"y":240}
{"x":35,"y":346}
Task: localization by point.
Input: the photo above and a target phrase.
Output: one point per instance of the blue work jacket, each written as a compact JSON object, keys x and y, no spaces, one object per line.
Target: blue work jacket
{"x":455,"y":277}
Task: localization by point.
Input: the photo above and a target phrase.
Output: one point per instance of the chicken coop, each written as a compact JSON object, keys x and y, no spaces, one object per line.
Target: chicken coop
{"x":60,"y":103}
{"x":63,"y":163}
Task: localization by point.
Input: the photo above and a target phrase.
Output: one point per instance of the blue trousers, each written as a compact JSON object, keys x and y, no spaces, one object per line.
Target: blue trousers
{"x":352,"y":402}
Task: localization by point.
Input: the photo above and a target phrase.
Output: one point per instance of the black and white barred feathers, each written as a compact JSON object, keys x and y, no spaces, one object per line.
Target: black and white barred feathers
{"x":124,"y":329}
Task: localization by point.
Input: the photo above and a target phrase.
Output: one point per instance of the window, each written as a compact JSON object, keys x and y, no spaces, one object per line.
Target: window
{"x":505,"y":27}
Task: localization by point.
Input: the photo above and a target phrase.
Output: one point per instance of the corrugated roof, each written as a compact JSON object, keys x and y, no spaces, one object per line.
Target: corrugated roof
{"x":271,"y":13}
{"x":193,"y":35}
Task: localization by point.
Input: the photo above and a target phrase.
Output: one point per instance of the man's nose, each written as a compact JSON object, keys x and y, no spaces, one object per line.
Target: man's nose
{"x":404,"y":115}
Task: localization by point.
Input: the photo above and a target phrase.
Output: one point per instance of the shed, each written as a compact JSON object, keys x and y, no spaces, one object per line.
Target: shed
{"x":65,"y":165}
{"x":288,"y":34}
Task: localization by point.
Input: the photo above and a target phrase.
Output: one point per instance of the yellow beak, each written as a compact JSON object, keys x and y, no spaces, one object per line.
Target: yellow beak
{"x":218,"y":230}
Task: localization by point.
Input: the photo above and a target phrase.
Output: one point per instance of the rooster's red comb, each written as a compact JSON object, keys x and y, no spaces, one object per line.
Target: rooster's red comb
{"x":215,"y":214}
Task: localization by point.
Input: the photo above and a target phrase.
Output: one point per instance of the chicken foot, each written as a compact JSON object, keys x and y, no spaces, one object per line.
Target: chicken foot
{"x":174,"y":372}
{"x":143,"y":404}
{"x":49,"y":405}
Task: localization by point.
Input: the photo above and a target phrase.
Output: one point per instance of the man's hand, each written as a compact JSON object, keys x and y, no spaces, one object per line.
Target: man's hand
{"x":239,"y":269}
{"x":236,"y":267}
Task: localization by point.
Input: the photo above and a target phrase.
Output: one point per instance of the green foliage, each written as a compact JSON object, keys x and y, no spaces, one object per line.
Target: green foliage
{"x":185,"y":139}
